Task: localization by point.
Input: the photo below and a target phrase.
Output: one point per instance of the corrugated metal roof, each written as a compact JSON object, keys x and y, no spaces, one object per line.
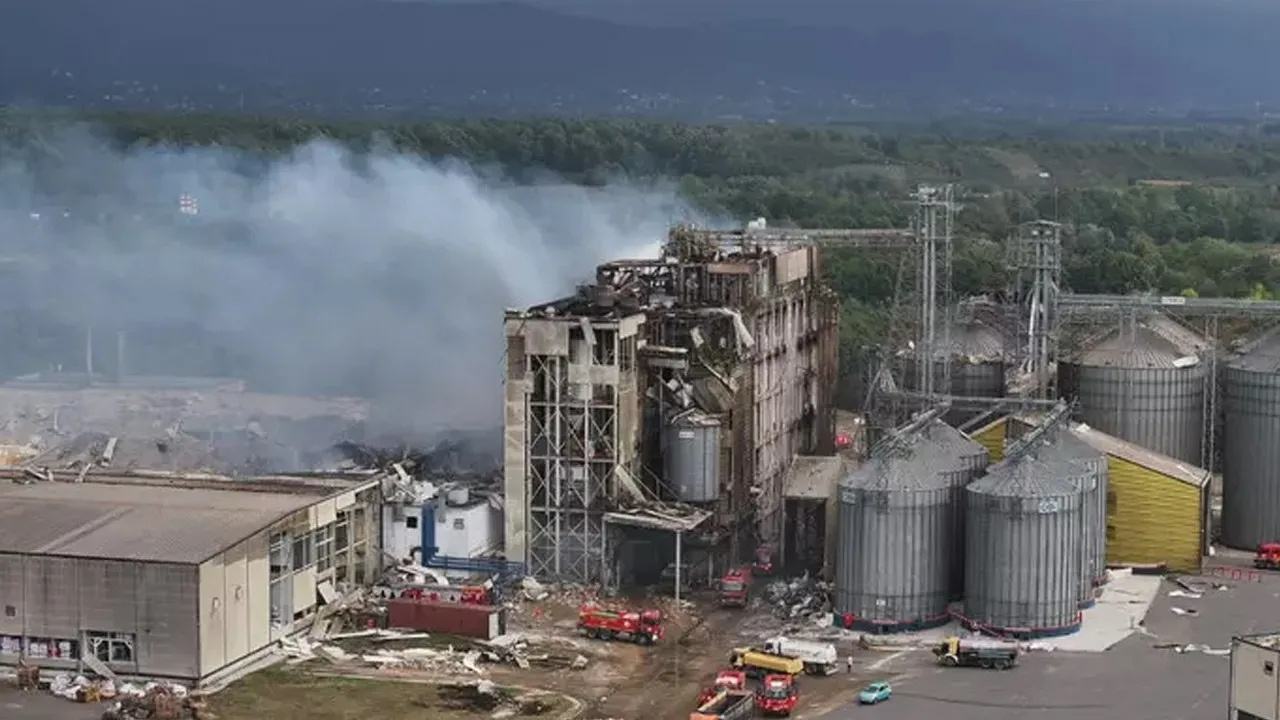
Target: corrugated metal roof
{"x":1260,"y":355}
{"x":136,"y":522}
{"x":1139,"y":455}
{"x":1145,"y":348}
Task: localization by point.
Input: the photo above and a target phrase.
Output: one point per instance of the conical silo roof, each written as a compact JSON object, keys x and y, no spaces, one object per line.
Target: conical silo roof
{"x":1029,"y":477}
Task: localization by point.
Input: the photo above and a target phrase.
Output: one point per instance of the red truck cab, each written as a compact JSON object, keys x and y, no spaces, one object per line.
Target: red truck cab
{"x":1267,"y":556}
{"x":643,"y":627}
{"x":735,"y":588}
{"x":764,"y":562}
{"x":725,"y":680}
{"x":777,"y":696}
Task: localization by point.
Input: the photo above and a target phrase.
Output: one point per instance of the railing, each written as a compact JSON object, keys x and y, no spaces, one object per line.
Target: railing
{"x":503,"y":568}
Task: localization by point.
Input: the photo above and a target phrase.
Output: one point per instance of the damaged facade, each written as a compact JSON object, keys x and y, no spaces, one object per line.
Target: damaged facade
{"x":178,"y":578}
{"x":670,"y":395}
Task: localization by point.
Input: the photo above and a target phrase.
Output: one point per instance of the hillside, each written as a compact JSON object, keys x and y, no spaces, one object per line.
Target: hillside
{"x":372,"y":55}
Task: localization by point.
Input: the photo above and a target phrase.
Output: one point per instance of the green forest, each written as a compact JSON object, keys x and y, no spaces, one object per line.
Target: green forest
{"x":1189,"y":209}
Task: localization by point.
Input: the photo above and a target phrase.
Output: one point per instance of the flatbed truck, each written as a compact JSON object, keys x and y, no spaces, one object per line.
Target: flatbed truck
{"x":726,"y":705}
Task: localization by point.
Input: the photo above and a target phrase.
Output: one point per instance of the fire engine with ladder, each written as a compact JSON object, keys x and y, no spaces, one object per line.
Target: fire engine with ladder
{"x":643,"y":627}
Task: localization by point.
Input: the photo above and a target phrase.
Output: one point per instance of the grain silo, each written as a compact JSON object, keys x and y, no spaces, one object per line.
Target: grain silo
{"x":1144,"y":383}
{"x":976,"y":349}
{"x":1251,"y":445}
{"x":1022,"y":555}
{"x":971,"y":460}
{"x":896,"y":538}
{"x":1062,"y":446}
{"x":691,"y":456}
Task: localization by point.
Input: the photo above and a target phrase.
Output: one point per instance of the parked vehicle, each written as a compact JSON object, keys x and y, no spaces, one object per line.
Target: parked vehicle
{"x":643,"y":627}
{"x":725,"y":680}
{"x":957,"y":652}
{"x":1267,"y":556}
{"x":726,"y":705}
{"x":818,"y":658}
{"x":757,"y":663}
{"x":875,"y":693}
{"x":765,"y":560}
{"x":777,"y":696}
{"x":735,"y":588}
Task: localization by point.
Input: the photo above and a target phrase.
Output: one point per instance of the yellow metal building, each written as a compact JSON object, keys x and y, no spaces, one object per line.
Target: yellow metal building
{"x":1157,"y":507}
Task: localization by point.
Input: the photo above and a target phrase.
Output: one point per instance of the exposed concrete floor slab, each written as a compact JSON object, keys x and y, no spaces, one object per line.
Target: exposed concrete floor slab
{"x":1117,"y":614}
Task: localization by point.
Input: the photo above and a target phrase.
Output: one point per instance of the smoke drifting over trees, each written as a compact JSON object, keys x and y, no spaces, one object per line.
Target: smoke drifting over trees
{"x":318,"y":272}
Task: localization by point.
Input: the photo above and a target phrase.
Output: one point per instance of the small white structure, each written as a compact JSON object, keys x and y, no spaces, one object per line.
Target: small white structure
{"x":452,"y":528}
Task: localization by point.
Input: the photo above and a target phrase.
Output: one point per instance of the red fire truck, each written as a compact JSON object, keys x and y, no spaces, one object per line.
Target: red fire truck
{"x":735,"y":587}
{"x":1267,"y":556}
{"x":777,"y":696}
{"x":643,"y":627}
{"x":764,"y":563}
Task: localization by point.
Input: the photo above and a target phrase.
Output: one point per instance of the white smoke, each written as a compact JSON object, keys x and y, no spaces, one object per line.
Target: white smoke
{"x":319,"y":271}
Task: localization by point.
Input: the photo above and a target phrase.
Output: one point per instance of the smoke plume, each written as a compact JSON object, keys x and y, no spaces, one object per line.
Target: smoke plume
{"x":319,"y":272}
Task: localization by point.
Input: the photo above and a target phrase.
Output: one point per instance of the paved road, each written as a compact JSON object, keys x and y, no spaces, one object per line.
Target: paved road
{"x":1133,"y":680}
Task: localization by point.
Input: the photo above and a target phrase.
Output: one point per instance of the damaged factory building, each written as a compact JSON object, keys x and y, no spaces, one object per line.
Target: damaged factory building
{"x":652,"y":418}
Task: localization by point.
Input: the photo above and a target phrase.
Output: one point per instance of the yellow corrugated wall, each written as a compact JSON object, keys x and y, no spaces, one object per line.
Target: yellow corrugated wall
{"x":991,"y":437}
{"x":1152,"y":518}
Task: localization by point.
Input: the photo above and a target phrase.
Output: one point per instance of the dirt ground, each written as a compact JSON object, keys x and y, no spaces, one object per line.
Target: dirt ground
{"x":296,"y":694}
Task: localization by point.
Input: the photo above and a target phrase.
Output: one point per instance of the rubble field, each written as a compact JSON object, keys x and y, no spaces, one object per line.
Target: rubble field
{"x":543,"y":649}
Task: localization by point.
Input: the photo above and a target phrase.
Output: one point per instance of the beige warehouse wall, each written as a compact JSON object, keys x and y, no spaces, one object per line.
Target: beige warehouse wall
{"x":235,"y":604}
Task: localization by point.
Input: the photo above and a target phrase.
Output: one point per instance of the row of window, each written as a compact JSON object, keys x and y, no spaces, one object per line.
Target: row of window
{"x":313,"y":549}
{"x":108,"y":647}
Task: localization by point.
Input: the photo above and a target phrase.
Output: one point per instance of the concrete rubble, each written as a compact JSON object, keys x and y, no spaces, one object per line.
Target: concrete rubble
{"x":802,"y":597}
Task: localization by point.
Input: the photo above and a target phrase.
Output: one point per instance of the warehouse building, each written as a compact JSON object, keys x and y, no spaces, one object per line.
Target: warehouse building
{"x":174,"y":578}
{"x":1157,"y":507}
{"x":1255,"y":678}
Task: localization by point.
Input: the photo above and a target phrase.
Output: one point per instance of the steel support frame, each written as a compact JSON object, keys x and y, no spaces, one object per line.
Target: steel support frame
{"x":572,"y":454}
{"x":1035,"y":256}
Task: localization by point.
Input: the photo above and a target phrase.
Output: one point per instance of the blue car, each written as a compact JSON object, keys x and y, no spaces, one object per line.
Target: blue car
{"x":875,"y":693}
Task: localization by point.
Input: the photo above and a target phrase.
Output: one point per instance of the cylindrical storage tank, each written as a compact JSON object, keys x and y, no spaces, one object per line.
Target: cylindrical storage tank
{"x":1022,"y":555}
{"x":970,"y":460}
{"x":691,"y":457}
{"x":977,"y":366}
{"x":1251,"y":446}
{"x":895,"y":540}
{"x":1146,"y":386}
{"x":1063,"y":446}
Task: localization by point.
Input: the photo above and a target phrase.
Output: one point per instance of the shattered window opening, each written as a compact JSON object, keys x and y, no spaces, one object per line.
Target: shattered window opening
{"x":411,"y":522}
{"x":324,"y":548}
{"x":302,"y":552}
{"x":111,"y":647}
{"x":341,"y":541}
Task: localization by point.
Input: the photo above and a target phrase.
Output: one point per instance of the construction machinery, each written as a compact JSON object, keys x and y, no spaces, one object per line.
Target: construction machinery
{"x":643,"y":627}
{"x":777,"y":696}
{"x":726,"y":705}
{"x":818,"y":658}
{"x":735,"y":588}
{"x":758,"y":663}
{"x":958,"y":652}
{"x":725,"y":680}
{"x":1267,"y":556}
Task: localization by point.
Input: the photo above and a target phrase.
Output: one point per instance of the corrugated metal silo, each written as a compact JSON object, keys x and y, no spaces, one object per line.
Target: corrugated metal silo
{"x":896,"y":537}
{"x":1251,"y":446}
{"x":1022,"y":556}
{"x":1062,"y":446}
{"x":971,"y":459}
{"x":691,"y":455}
{"x":1146,"y":386}
{"x":977,"y":365}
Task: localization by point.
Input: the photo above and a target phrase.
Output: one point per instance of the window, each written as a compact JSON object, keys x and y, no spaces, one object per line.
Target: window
{"x":280,"y":555}
{"x":302,"y":557}
{"x":10,"y":611}
{"x":411,"y":522}
{"x":110,"y":647}
{"x":341,"y":540}
{"x":459,"y":524}
{"x":324,"y":548}
{"x":57,"y":648}
{"x":1269,"y":667}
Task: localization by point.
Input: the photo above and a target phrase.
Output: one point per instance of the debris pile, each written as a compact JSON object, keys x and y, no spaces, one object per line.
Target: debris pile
{"x":168,"y":449}
{"x":803,"y":597}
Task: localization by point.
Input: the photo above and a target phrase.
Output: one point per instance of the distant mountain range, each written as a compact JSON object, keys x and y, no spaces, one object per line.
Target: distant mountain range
{"x":696,"y":58}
